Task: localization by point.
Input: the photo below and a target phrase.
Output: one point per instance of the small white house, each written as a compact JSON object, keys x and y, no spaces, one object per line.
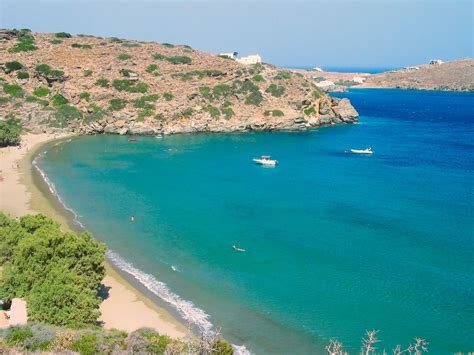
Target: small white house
{"x":318,"y":69}
{"x":358,"y":79}
{"x":411,"y":68}
{"x":436,"y":62}
{"x":231,"y":55}
{"x":325,"y":84}
{"x":251,"y":59}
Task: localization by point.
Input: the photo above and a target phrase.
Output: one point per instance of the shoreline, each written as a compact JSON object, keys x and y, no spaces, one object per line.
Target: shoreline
{"x":125,"y":307}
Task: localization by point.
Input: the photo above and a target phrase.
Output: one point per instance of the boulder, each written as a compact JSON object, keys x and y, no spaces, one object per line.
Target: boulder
{"x":345,"y":111}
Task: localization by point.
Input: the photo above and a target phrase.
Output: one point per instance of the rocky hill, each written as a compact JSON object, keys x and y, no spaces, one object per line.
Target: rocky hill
{"x":86,"y":84}
{"x":457,"y":75}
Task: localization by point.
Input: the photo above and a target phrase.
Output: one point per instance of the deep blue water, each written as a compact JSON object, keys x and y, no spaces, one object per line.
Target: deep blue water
{"x":336,"y":243}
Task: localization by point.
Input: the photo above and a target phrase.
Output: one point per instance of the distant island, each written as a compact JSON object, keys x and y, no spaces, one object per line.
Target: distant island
{"x":457,"y":75}
{"x":86,"y":84}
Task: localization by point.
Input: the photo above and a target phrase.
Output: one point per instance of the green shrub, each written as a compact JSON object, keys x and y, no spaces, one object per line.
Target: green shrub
{"x":227,"y":112}
{"x":282,"y":75}
{"x":188,"y":112}
{"x":41,"y":91}
{"x":276,"y":90}
{"x":213,"y":111}
{"x":124,"y":56}
{"x":159,"y":116}
{"x":317,"y":93}
{"x":130,"y":86}
{"x":117,"y":104}
{"x":168,"y":96}
{"x":258,"y":78}
{"x":130,"y":45}
{"x":346,"y":83}
{"x":115,"y":40}
{"x":159,"y":56}
{"x":88,"y":72}
{"x":63,"y":35}
{"x":56,"y":41}
{"x":17,"y":335}
{"x":35,"y":99}
{"x":13,"y":90}
{"x":221,"y":90}
{"x":221,"y":347}
{"x":22,"y":75}
{"x":58,"y":100}
{"x":87,"y":344}
{"x":102,"y":82}
{"x":255,"y":98}
{"x":145,"y":113}
{"x":25,"y":43}
{"x":43,"y":336}
{"x":12,"y":66}
{"x":10,"y":130}
{"x":275,"y":113}
{"x":168,"y":45}
{"x":85,"y":96}
{"x":205,"y":91}
{"x":179,"y":60}
{"x":83,"y":46}
{"x":4,"y":100}
{"x":310,"y":110}
{"x":143,"y":102}
{"x":46,"y":71}
{"x":64,"y":114}
{"x":151,"y":68}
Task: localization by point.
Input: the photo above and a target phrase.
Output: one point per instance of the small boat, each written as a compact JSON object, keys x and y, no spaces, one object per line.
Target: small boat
{"x":159,"y":136}
{"x":362,"y":151}
{"x":265,"y":160}
{"x":132,"y":139}
{"x":236,"y":248}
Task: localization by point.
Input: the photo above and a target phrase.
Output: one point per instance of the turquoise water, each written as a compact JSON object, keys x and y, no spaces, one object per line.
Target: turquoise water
{"x":335,"y":243}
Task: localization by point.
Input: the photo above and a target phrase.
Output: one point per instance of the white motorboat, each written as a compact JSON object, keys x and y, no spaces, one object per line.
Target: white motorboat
{"x":265,"y":160}
{"x":236,"y":248}
{"x":362,"y":151}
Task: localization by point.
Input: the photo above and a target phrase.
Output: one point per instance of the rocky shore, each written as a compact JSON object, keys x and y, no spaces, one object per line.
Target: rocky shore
{"x":88,"y":85}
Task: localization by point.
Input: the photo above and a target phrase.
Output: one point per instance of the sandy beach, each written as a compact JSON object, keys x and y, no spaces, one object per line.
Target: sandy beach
{"x":124,"y":307}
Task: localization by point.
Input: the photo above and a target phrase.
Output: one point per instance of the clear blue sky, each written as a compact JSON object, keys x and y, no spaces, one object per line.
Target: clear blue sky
{"x":350,"y":33}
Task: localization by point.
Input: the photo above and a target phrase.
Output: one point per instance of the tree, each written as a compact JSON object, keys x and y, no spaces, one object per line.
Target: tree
{"x":58,"y":273}
{"x":10,"y":130}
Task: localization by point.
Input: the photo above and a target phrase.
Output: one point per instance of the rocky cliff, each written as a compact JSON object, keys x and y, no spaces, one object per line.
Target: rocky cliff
{"x":86,"y":84}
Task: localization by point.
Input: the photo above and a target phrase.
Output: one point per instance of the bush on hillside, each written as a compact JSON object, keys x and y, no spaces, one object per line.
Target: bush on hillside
{"x":168,"y":45}
{"x":12,"y":66}
{"x":13,"y":90}
{"x":276,"y":90}
{"x":58,"y":100}
{"x":117,"y":104}
{"x":179,"y":60}
{"x":102,"y":82}
{"x":10,"y":130}
{"x":124,"y":56}
{"x":41,"y":91}
{"x":168,"y":96}
{"x":63,"y":35}
{"x":22,"y":75}
{"x":25,"y":43}
{"x":130,"y":86}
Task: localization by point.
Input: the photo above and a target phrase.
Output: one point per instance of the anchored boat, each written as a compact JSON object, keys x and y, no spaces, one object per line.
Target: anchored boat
{"x":265,"y":160}
{"x":362,"y":151}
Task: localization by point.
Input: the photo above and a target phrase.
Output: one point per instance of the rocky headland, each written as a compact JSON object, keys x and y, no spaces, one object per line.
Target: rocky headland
{"x":85,"y":85}
{"x":457,"y":75}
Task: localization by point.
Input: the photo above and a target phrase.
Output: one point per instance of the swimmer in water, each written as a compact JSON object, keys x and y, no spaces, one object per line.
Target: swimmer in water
{"x":132,"y":218}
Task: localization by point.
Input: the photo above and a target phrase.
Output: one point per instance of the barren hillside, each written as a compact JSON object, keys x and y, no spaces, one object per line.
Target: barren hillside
{"x":87,"y":84}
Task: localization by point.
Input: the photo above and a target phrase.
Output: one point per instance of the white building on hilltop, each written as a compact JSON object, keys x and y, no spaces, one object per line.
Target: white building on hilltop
{"x":436,"y":62}
{"x":230,"y":55}
{"x":251,"y":59}
{"x":358,"y":79}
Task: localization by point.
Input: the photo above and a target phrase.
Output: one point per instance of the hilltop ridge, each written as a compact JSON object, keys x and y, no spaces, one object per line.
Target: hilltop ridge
{"x":86,"y":84}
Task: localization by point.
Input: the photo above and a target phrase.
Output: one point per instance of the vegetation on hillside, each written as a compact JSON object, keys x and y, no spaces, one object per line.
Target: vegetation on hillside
{"x":10,"y":130}
{"x":58,"y":273}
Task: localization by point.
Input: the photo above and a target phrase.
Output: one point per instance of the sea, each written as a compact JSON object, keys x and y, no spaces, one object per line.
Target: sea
{"x":335,"y":243}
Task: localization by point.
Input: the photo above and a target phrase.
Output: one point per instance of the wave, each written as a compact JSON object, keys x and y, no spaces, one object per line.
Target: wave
{"x":54,"y":192}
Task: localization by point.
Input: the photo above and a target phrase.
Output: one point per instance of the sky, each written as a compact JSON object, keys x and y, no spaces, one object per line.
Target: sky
{"x":337,"y":33}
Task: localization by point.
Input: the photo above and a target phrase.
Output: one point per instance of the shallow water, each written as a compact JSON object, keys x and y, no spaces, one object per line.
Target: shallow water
{"x":335,"y":243}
